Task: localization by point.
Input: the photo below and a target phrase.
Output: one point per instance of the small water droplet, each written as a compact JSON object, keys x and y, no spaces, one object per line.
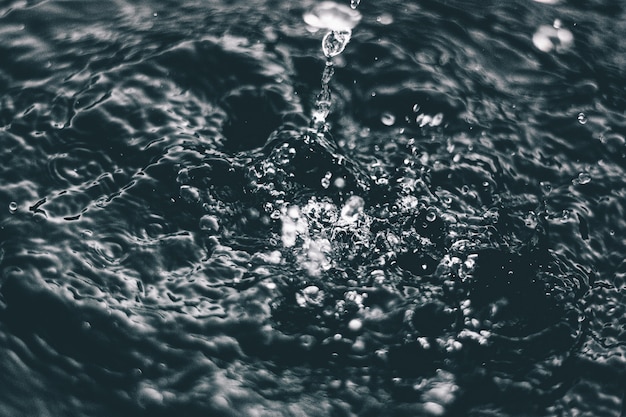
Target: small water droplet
{"x":582,"y":119}
{"x":326,"y":180}
{"x":354,"y":4}
{"x":431,"y":216}
{"x":546,"y":187}
{"x":388,"y":119}
{"x":12,"y":207}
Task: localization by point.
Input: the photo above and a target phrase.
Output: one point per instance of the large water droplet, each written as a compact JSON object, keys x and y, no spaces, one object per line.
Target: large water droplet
{"x":548,"y":38}
{"x":335,"y":42}
{"x":332,"y":16}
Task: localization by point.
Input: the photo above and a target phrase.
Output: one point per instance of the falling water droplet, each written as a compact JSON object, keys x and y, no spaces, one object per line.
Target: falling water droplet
{"x":582,"y":118}
{"x":326,"y":180}
{"x":388,"y":119}
{"x":548,"y":38}
{"x":12,"y":207}
{"x":335,"y":42}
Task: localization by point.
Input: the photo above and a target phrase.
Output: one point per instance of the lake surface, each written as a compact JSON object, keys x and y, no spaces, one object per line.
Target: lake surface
{"x":176,"y":240}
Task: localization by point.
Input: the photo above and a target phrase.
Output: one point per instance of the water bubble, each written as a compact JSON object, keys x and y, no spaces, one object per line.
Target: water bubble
{"x":332,"y":16}
{"x":335,"y":42}
{"x":388,"y":119}
{"x":548,"y":38}
{"x":582,"y":119}
{"x":12,"y":207}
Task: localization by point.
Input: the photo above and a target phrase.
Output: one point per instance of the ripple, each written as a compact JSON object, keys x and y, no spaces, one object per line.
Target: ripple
{"x":78,"y":165}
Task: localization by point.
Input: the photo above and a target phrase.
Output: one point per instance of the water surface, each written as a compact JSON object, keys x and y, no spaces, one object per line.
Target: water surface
{"x":175,"y":240}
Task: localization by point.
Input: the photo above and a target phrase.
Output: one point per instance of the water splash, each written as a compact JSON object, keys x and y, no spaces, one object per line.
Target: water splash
{"x":555,"y":37}
{"x":338,"y":20}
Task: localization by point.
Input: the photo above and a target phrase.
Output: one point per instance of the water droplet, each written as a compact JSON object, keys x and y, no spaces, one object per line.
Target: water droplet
{"x":582,"y":119}
{"x":584,"y":178}
{"x":546,"y":187}
{"x":332,"y":16}
{"x":340,"y":183}
{"x":436,"y":120}
{"x":431,"y":216}
{"x":335,"y":42}
{"x":416,"y":108}
{"x":355,"y":325}
{"x":388,"y":119}
{"x":12,"y":207}
{"x":326,"y":180}
{"x":354,"y":4}
{"x":548,"y":38}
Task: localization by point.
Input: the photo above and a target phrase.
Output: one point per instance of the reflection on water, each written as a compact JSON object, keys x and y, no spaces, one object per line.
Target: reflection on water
{"x":191,"y":227}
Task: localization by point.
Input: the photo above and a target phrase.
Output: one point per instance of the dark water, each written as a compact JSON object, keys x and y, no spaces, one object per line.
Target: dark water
{"x":174,"y":241}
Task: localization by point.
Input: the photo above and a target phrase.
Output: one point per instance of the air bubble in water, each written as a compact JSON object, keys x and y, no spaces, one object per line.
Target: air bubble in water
{"x":582,"y":119}
{"x":332,"y":16}
{"x":12,"y":207}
